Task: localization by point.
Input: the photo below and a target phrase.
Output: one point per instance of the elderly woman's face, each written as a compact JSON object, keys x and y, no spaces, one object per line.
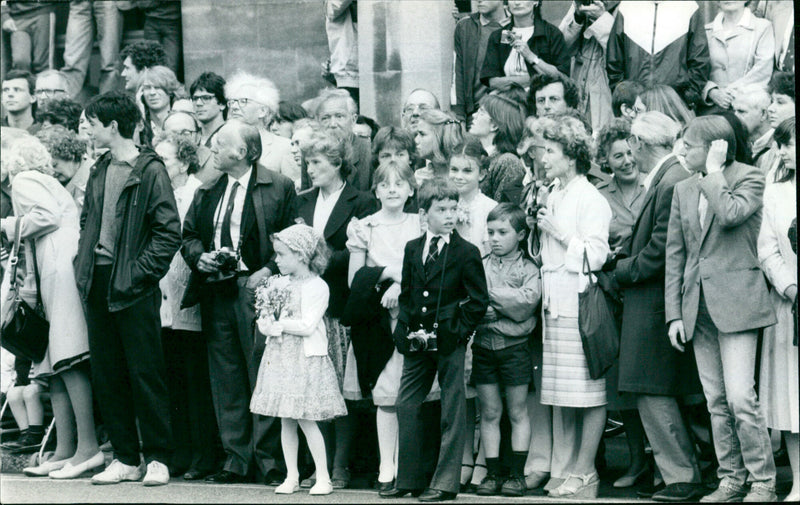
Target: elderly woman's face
{"x":65,"y":169}
{"x":155,"y":97}
{"x":556,"y":164}
{"x":425,"y":139}
{"x":322,"y":172}
{"x":621,"y":162}
{"x":169,"y":155}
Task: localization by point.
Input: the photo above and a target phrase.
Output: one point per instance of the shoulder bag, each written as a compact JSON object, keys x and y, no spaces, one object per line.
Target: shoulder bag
{"x":25,"y":333}
{"x":599,"y":333}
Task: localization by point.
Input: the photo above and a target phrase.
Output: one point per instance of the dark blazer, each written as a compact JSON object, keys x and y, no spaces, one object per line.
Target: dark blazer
{"x":464,"y":295}
{"x":547,"y":43}
{"x":647,"y":362}
{"x":269,"y":207}
{"x":352,"y":203}
{"x":719,"y":257}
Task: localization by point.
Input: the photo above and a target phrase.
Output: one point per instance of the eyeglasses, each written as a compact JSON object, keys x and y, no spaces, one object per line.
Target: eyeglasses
{"x":201,"y":99}
{"x":184,"y":132}
{"x":412,"y":108}
{"x":241,"y":102}
{"x":50,"y":93}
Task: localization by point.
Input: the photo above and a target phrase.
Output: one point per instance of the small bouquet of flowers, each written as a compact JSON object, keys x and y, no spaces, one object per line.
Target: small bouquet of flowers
{"x":272,"y":298}
{"x":463,"y":214}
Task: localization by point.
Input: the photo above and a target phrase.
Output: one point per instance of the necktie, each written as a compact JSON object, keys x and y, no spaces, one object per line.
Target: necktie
{"x":433,"y":253}
{"x":225,"y":239}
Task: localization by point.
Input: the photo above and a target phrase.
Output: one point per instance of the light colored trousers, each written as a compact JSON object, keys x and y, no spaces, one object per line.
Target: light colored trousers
{"x":87,"y":17}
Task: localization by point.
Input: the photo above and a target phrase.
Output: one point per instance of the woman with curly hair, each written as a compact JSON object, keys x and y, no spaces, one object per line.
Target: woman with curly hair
{"x":70,"y":161}
{"x":435,"y":136}
{"x":573,"y":225}
{"x":625,"y":193}
{"x":47,"y":219}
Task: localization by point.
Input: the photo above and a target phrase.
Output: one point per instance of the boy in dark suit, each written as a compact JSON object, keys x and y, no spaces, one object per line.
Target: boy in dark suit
{"x":443,"y":294}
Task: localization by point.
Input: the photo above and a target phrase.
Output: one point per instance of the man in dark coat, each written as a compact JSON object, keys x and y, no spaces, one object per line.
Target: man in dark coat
{"x":649,"y":366}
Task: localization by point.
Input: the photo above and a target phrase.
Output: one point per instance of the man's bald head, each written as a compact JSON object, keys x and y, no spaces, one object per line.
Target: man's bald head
{"x":750,"y":105}
{"x":182,"y":123}
{"x":418,"y":101}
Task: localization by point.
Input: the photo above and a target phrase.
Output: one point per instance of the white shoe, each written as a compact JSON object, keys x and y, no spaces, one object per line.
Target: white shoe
{"x":157,"y":474}
{"x":117,"y":472}
{"x":45,"y":468}
{"x":72,"y":471}
{"x":289,"y":486}
{"x":321,"y":488}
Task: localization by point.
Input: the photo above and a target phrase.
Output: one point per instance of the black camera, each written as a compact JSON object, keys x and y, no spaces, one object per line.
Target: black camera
{"x":422,"y":340}
{"x":227,"y":261}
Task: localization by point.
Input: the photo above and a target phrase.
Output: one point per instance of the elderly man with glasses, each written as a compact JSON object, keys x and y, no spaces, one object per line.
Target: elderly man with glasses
{"x":254,"y":100}
{"x":417,"y":102}
{"x":51,"y":85}
{"x":185,"y":124}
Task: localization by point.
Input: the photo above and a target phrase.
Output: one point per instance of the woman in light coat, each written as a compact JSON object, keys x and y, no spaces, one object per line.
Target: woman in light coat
{"x":741,"y":48}
{"x":48,"y":220}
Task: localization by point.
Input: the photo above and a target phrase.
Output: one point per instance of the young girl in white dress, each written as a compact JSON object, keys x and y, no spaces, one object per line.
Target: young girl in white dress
{"x":296,"y":379}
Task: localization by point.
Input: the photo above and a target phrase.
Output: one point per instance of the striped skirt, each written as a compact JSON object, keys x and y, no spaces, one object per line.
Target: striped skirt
{"x":565,"y":374}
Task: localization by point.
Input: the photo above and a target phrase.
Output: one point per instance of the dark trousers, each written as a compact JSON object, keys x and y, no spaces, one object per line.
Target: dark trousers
{"x":194,"y":427}
{"x":168,"y":33}
{"x":419,"y":370}
{"x":128,"y":373}
{"x":29,"y":46}
{"x":234,"y":355}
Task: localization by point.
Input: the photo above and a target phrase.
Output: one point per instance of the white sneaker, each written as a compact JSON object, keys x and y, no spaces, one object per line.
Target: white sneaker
{"x":157,"y":474}
{"x":117,"y":472}
{"x":289,"y":486}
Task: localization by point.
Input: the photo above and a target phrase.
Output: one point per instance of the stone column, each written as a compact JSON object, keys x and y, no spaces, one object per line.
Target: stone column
{"x":402,"y":46}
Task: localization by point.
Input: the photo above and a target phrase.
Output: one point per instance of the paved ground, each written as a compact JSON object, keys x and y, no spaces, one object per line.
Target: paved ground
{"x":19,"y":489}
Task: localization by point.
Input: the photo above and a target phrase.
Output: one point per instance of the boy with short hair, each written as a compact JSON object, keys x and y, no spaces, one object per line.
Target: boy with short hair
{"x":443,"y":297}
{"x":501,"y":356}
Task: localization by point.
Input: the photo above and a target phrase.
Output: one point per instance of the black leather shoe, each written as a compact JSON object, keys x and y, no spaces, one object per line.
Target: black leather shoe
{"x":274,"y":478}
{"x":398,"y":492}
{"x":433,"y":495}
{"x":648,"y":490}
{"x":679,"y":491}
{"x":195,"y":474}
{"x":226,"y":477}
{"x":384,"y":486}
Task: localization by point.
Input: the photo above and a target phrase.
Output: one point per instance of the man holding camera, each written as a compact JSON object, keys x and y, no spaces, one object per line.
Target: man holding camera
{"x":226,"y":243}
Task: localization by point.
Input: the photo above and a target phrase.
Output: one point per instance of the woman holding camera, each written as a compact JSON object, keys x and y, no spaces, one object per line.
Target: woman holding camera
{"x":573,"y":226}
{"x":527,"y":46}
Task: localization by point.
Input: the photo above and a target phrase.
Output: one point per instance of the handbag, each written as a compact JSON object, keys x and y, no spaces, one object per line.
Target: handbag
{"x":599,"y":332}
{"x":25,"y":333}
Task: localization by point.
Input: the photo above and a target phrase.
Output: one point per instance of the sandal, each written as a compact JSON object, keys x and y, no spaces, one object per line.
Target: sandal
{"x":578,"y":486}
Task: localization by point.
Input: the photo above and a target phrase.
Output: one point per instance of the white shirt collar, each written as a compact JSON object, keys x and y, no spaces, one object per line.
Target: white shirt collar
{"x":429,"y":236}
{"x":243,"y":181}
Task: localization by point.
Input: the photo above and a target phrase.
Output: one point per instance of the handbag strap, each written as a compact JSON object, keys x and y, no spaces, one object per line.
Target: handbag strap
{"x":13,"y":260}
{"x":39,"y":303}
{"x":441,"y":283}
{"x":586,"y":269}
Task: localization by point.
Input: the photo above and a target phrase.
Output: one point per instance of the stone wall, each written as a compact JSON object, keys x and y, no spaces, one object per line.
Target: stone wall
{"x":281,"y":39}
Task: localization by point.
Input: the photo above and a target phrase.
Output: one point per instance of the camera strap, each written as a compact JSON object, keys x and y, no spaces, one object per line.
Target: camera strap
{"x":441,"y":283}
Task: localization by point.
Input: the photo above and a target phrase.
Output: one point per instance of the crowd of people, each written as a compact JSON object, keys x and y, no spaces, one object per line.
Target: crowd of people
{"x":220,"y":267}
